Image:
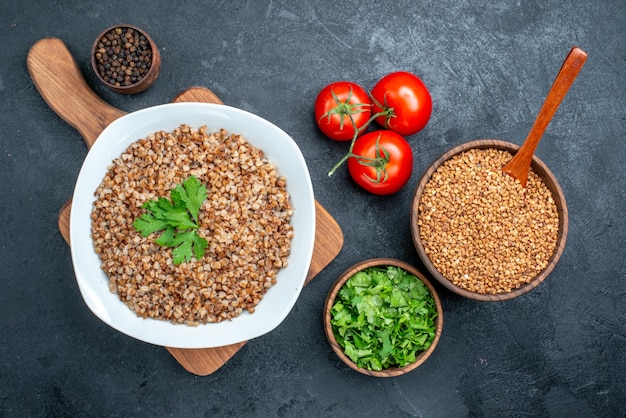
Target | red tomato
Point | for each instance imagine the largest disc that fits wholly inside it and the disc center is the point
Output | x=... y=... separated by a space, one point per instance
x=403 y=101
x=334 y=106
x=387 y=165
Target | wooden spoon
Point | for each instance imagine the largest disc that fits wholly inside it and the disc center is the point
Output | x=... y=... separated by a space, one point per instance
x=519 y=165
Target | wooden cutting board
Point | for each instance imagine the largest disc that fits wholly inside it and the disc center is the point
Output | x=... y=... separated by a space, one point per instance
x=61 y=84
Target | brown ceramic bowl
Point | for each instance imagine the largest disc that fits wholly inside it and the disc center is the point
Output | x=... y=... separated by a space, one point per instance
x=541 y=170
x=135 y=77
x=330 y=300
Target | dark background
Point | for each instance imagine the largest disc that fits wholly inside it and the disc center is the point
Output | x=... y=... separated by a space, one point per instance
x=558 y=351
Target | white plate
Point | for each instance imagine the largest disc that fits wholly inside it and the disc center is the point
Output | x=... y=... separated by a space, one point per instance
x=279 y=148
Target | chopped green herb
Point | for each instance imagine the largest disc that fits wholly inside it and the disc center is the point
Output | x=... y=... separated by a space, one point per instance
x=178 y=219
x=384 y=317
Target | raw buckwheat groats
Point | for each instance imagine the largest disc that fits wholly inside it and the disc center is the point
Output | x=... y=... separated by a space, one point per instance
x=481 y=229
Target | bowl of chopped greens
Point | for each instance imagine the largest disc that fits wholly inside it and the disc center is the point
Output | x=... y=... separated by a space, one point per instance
x=383 y=318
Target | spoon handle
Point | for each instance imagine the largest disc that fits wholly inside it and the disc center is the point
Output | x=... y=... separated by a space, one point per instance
x=519 y=165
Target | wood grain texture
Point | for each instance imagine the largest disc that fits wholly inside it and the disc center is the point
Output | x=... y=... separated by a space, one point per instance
x=63 y=87
x=61 y=84
x=519 y=165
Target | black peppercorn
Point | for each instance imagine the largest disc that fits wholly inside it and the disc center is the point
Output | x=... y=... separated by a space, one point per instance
x=117 y=56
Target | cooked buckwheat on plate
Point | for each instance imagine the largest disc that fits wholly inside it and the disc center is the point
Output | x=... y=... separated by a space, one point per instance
x=245 y=221
x=258 y=220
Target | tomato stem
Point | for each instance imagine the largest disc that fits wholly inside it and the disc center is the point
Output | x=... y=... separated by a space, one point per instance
x=349 y=153
x=388 y=112
x=345 y=108
x=379 y=162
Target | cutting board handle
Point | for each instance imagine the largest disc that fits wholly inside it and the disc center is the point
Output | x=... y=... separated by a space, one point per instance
x=61 y=84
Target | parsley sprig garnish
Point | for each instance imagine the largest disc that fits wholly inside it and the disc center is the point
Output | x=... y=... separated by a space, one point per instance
x=178 y=219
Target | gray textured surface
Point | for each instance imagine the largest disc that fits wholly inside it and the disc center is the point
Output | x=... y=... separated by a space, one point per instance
x=558 y=351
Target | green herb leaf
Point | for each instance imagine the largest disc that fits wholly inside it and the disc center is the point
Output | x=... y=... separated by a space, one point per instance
x=167 y=237
x=199 y=246
x=147 y=224
x=384 y=317
x=178 y=219
x=196 y=194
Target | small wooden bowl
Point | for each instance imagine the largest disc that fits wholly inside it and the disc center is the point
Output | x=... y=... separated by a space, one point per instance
x=330 y=300
x=145 y=80
x=541 y=170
